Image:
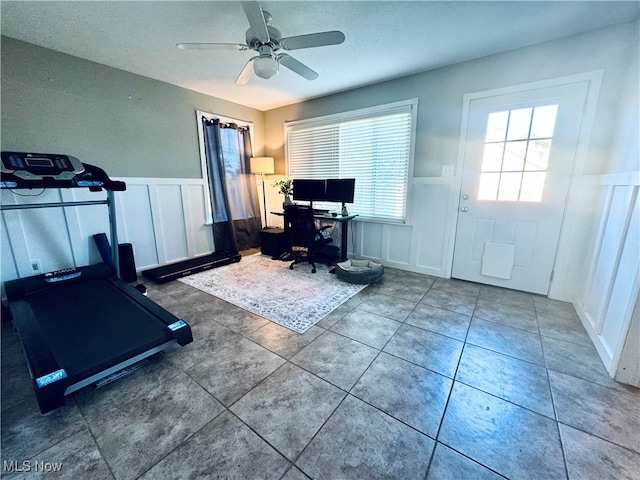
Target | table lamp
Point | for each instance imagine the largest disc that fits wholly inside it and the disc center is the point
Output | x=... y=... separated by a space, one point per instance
x=262 y=166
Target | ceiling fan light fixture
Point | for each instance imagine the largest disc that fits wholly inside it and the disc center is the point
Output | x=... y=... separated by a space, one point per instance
x=265 y=66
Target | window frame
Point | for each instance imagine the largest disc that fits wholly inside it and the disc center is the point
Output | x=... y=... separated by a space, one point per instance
x=410 y=105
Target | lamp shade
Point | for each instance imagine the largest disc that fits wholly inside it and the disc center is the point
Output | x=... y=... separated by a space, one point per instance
x=261 y=165
x=265 y=66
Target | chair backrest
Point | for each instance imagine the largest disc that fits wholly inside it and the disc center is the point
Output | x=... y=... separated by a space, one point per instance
x=300 y=225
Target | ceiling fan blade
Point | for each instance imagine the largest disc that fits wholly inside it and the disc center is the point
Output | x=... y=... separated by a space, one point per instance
x=254 y=14
x=246 y=72
x=334 y=37
x=212 y=46
x=297 y=67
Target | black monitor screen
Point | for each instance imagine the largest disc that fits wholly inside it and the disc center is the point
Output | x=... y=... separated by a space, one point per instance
x=341 y=190
x=309 y=190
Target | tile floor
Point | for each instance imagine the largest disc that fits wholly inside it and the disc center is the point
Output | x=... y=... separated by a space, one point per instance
x=415 y=377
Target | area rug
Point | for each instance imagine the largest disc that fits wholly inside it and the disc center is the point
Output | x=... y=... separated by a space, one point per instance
x=296 y=299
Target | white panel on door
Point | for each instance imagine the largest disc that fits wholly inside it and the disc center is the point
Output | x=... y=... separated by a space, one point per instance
x=525 y=239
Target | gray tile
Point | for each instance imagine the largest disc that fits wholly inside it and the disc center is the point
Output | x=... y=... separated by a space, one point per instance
x=548 y=306
x=240 y=320
x=591 y=457
x=225 y=448
x=26 y=432
x=563 y=328
x=507 y=340
x=294 y=474
x=366 y=327
x=139 y=419
x=516 y=381
x=208 y=337
x=74 y=457
x=448 y=464
x=459 y=287
x=336 y=315
x=283 y=341
x=359 y=441
x=577 y=360
x=607 y=413
x=463 y=304
x=386 y=306
x=288 y=408
x=232 y=371
x=507 y=315
x=507 y=297
x=337 y=359
x=508 y=439
x=444 y=322
x=15 y=381
x=209 y=304
x=427 y=349
x=401 y=284
x=412 y=394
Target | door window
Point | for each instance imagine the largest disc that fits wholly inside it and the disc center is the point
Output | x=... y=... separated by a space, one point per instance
x=516 y=154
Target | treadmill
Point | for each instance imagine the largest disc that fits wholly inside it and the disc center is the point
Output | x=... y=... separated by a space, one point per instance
x=80 y=325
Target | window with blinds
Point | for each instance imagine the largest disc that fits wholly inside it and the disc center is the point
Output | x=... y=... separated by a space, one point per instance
x=374 y=146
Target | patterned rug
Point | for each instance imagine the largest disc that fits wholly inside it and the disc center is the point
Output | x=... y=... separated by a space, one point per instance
x=296 y=299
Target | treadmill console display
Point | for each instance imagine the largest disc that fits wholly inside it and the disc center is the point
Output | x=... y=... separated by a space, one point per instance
x=52 y=170
x=37 y=166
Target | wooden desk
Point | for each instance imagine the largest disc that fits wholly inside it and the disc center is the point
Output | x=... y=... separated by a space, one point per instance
x=343 y=220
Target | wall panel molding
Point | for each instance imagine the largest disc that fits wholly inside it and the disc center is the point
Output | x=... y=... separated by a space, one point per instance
x=162 y=228
x=612 y=284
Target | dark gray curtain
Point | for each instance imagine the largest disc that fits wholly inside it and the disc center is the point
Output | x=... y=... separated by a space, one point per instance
x=236 y=210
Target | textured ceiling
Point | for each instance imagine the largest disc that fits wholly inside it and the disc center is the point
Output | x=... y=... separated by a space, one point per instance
x=384 y=39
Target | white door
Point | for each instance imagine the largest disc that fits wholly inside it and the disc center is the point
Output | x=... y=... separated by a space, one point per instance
x=517 y=166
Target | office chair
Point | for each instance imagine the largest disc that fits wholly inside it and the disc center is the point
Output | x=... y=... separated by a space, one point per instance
x=303 y=237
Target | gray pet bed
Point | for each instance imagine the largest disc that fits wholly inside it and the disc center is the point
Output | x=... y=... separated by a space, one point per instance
x=359 y=271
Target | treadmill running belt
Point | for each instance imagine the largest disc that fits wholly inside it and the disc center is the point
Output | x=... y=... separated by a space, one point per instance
x=89 y=325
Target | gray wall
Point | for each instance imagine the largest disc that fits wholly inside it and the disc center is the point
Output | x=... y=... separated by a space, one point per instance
x=130 y=125
x=440 y=93
x=136 y=126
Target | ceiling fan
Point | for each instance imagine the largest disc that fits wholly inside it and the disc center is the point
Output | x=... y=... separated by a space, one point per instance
x=268 y=41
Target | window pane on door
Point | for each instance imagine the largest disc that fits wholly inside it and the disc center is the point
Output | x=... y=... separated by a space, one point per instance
x=538 y=154
x=509 y=188
x=514 y=156
x=519 y=123
x=497 y=126
x=544 y=121
x=488 y=189
x=532 y=186
x=492 y=158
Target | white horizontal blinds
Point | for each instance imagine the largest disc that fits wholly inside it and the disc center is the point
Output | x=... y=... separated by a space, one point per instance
x=374 y=149
x=314 y=152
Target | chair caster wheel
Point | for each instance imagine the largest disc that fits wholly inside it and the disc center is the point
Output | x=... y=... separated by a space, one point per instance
x=290 y=267
x=313 y=271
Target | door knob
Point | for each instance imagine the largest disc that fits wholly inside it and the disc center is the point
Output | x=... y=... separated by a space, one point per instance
x=465 y=209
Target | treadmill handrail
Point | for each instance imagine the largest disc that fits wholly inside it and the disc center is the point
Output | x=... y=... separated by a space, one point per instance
x=25 y=206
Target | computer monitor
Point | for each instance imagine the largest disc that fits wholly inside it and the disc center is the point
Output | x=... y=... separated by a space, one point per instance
x=308 y=190
x=340 y=190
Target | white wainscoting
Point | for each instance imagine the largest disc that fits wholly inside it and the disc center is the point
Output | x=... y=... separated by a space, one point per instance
x=163 y=218
x=165 y=221
x=421 y=245
x=610 y=294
